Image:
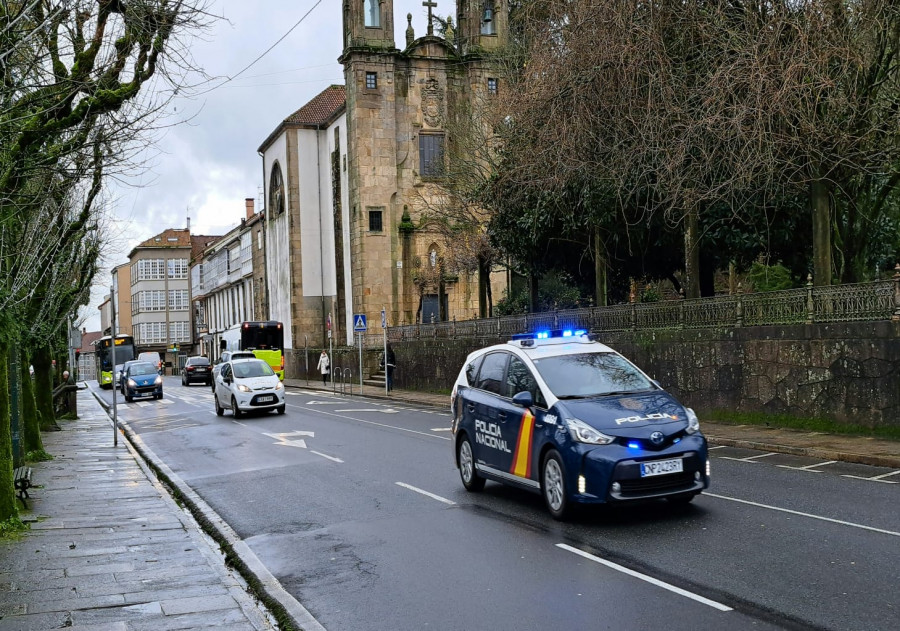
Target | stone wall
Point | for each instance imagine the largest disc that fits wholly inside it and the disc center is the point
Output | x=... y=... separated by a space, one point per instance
x=846 y=372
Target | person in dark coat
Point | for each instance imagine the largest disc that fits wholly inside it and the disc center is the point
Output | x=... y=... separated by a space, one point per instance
x=389 y=365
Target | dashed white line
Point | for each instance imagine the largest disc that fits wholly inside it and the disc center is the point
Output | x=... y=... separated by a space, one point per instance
x=426 y=493
x=810 y=515
x=440 y=429
x=748 y=458
x=644 y=577
x=332 y=458
x=876 y=478
x=810 y=468
x=717 y=447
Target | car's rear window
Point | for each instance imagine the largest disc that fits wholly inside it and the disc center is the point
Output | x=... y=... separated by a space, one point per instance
x=198 y=361
x=591 y=375
x=142 y=369
x=244 y=370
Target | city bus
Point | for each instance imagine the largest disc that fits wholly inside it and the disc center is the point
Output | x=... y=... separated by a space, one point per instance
x=264 y=339
x=124 y=353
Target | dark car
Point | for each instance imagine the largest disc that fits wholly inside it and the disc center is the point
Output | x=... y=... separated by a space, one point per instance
x=196 y=370
x=140 y=379
x=561 y=415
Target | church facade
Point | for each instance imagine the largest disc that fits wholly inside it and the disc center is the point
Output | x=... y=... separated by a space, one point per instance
x=352 y=177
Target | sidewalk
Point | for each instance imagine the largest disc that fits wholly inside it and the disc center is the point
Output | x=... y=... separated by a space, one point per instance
x=109 y=550
x=858 y=449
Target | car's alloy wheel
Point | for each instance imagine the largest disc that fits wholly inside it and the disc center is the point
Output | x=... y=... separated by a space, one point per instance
x=235 y=410
x=553 y=485
x=470 y=478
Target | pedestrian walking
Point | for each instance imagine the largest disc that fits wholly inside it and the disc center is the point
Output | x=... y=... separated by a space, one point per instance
x=324 y=367
x=389 y=364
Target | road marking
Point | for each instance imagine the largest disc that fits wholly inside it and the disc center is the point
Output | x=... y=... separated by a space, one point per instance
x=283 y=438
x=383 y=411
x=426 y=493
x=876 y=478
x=319 y=453
x=441 y=429
x=808 y=467
x=717 y=447
x=385 y=425
x=317 y=402
x=748 y=458
x=644 y=577
x=810 y=515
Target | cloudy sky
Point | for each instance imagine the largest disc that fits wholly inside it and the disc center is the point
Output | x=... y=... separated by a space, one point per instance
x=206 y=167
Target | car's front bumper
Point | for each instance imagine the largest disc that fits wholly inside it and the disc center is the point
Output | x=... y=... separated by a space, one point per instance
x=249 y=401
x=144 y=391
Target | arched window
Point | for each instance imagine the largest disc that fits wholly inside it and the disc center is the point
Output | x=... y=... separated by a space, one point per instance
x=276 y=191
x=487 y=18
x=372 y=12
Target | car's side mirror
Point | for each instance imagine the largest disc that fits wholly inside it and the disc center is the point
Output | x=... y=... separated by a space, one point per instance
x=524 y=399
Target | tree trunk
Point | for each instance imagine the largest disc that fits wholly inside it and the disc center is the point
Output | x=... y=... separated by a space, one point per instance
x=484 y=285
x=692 y=253
x=7 y=492
x=43 y=387
x=533 y=297
x=31 y=420
x=600 y=271
x=820 y=203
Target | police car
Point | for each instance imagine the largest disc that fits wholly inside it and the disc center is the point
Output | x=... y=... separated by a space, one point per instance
x=567 y=417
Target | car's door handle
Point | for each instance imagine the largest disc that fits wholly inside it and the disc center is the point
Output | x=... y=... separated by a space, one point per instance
x=471 y=407
x=501 y=416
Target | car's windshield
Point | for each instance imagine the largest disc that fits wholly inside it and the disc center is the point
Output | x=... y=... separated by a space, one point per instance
x=198 y=361
x=142 y=369
x=591 y=375
x=243 y=370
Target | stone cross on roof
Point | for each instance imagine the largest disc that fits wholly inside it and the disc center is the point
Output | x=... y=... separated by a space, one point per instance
x=430 y=4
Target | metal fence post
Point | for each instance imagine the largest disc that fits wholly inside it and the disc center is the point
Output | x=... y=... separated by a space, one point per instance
x=681 y=313
x=631 y=299
x=739 y=308
x=810 y=305
x=896 y=316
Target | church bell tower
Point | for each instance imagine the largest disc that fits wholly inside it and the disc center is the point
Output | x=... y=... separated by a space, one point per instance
x=368 y=24
x=483 y=25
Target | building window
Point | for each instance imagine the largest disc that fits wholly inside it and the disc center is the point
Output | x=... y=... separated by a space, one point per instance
x=492 y=86
x=178 y=268
x=487 y=19
x=375 y=224
x=373 y=14
x=371 y=80
x=259 y=239
x=150 y=333
x=179 y=332
x=431 y=155
x=147 y=269
x=178 y=300
x=276 y=191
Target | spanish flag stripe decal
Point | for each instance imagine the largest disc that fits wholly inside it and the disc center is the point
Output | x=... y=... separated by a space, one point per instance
x=522 y=457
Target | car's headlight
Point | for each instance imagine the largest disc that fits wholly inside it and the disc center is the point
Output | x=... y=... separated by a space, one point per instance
x=279 y=386
x=584 y=433
x=157 y=381
x=243 y=388
x=132 y=383
x=693 y=422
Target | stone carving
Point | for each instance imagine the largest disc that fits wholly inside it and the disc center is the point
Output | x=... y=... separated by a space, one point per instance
x=433 y=103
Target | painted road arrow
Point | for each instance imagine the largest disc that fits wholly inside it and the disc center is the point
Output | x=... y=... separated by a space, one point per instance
x=283 y=439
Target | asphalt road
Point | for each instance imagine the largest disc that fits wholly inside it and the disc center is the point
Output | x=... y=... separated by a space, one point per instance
x=357 y=508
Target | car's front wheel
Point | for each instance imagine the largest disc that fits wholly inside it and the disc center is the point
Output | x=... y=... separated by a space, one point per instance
x=553 y=485
x=235 y=410
x=280 y=409
x=467 y=473
x=219 y=409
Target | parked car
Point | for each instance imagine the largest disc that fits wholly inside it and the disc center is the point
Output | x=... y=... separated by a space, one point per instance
x=120 y=368
x=226 y=357
x=196 y=369
x=140 y=379
x=154 y=358
x=245 y=385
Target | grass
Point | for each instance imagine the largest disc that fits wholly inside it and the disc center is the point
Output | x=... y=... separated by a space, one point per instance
x=12 y=529
x=38 y=455
x=787 y=421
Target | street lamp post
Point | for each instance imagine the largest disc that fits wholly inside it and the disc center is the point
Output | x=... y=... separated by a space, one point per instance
x=112 y=355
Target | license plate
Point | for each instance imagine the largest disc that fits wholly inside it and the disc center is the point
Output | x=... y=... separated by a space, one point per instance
x=661 y=467
x=269 y=398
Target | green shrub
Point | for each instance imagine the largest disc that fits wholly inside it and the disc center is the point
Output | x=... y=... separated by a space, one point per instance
x=770 y=277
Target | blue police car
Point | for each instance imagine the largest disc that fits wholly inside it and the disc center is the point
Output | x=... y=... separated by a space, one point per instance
x=569 y=418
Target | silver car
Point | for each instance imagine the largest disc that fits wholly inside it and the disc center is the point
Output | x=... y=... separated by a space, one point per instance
x=245 y=385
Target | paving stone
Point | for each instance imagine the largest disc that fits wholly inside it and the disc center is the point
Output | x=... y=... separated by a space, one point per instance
x=196 y=604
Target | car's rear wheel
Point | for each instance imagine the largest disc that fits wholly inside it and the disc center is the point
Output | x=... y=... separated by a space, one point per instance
x=467 y=473
x=553 y=485
x=235 y=410
x=219 y=409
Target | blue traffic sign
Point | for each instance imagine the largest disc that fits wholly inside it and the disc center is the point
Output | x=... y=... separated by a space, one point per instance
x=359 y=323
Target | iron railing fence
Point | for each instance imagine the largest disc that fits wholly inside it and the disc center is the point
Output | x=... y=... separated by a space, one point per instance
x=871 y=301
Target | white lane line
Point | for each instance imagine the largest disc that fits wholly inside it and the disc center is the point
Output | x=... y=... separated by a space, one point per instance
x=876 y=478
x=808 y=467
x=748 y=458
x=810 y=515
x=385 y=425
x=644 y=577
x=441 y=429
x=716 y=447
x=332 y=458
x=426 y=493
x=382 y=410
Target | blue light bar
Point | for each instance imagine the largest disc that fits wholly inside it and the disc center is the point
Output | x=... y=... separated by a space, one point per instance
x=548 y=334
x=580 y=332
x=543 y=335
x=567 y=333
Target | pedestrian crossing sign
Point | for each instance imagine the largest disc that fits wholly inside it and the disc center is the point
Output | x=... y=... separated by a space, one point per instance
x=359 y=323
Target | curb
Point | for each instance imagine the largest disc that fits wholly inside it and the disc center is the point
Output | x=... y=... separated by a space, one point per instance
x=289 y=613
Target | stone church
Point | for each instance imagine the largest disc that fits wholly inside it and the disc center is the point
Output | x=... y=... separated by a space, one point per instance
x=350 y=177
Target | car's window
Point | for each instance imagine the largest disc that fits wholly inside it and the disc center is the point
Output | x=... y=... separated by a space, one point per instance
x=226 y=371
x=490 y=377
x=197 y=361
x=142 y=369
x=519 y=379
x=472 y=369
x=590 y=375
x=244 y=370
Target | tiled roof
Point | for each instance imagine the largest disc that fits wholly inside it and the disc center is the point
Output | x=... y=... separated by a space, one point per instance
x=200 y=242
x=169 y=238
x=322 y=109
x=88 y=339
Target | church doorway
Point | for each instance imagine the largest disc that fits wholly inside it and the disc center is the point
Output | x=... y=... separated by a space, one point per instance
x=433 y=310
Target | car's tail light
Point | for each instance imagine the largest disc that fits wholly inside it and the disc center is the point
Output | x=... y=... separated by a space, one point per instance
x=189 y=368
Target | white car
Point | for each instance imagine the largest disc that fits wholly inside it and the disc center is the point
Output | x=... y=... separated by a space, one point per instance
x=245 y=385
